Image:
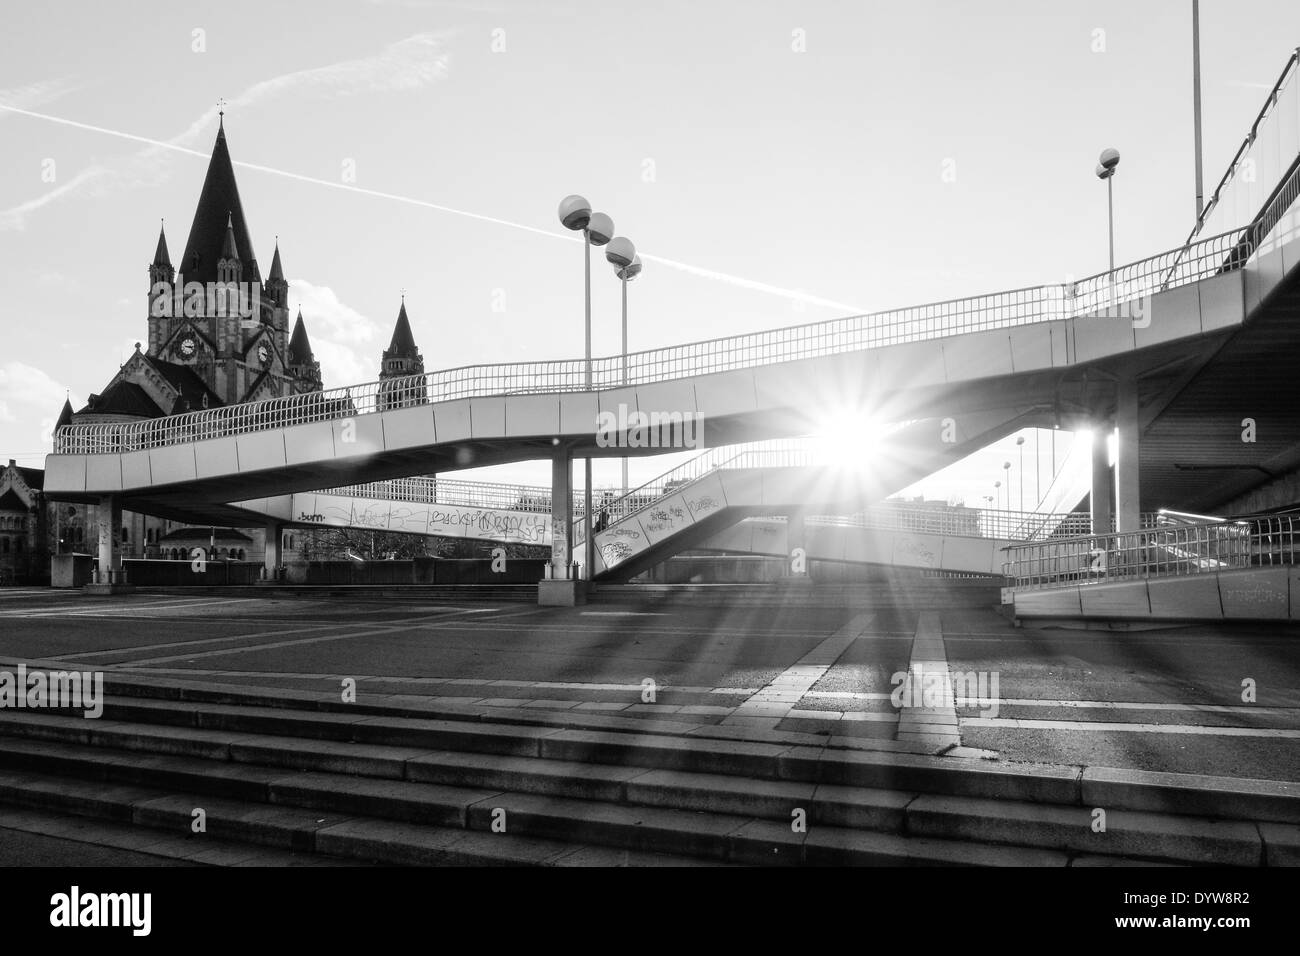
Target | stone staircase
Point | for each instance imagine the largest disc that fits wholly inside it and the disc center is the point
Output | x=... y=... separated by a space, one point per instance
x=410 y=781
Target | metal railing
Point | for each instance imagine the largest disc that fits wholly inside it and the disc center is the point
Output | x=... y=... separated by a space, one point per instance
x=1273 y=141
x=970 y=522
x=1189 y=263
x=451 y=491
x=774 y=453
x=1173 y=549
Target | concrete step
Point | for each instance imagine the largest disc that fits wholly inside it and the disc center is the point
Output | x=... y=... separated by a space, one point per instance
x=384 y=746
x=125 y=844
x=240 y=799
x=247 y=833
x=1126 y=833
x=679 y=813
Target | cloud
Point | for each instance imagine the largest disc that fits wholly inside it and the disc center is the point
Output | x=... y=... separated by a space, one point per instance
x=30 y=400
x=406 y=65
x=35 y=94
x=16 y=218
x=346 y=343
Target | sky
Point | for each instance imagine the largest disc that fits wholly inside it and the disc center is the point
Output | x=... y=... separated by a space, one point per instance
x=775 y=163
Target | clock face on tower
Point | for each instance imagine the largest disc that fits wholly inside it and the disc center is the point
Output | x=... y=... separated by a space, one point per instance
x=188 y=346
x=262 y=353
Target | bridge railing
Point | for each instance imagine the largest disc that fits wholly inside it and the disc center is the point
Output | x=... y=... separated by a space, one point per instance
x=1173 y=549
x=1131 y=282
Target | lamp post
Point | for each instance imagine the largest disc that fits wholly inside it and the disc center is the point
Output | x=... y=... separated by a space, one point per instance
x=997 y=490
x=597 y=229
x=1196 y=105
x=1107 y=163
x=1006 y=473
x=627 y=266
x=1020 y=443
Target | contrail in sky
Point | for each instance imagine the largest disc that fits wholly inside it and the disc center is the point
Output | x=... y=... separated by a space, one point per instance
x=737 y=281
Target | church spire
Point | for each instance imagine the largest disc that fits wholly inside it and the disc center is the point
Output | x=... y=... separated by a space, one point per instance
x=219 y=212
x=160 y=270
x=401 y=357
x=161 y=258
x=228 y=248
x=301 y=363
x=229 y=266
x=276 y=286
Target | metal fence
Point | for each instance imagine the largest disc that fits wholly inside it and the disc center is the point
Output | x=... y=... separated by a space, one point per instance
x=1126 y=285
x=1172 y=549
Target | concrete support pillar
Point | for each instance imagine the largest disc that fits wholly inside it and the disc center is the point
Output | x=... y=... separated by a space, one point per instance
x=1128 y=507
x=561 y=514
x=1101 y=481
x=108 y=527
x=271 y=559
x=561 y=587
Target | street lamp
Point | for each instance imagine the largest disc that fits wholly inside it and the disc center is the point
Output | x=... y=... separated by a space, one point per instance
x=1020 y=443
x=597 y=230
x=1006 y=471
x=627 y=266
x=997 y=489
x=1107 y=163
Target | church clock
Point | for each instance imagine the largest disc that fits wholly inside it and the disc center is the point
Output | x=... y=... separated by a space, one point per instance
x=263 y=354
x=188 y=346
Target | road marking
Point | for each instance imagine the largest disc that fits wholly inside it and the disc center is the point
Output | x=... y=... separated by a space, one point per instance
x=774 y=702
x=622 y=614
x=388 y=627
x=928 y=665
x=1143 y=705
x=131 y=610
x=1198 y=730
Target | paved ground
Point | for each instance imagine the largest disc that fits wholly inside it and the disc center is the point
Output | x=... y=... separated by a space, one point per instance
x=1167 y=699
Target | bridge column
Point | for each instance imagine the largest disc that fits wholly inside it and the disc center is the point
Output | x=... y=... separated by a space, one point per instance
x=1101 y=483
x=110 y=577
x=271 y=556
x=1128 y=508
x=561 y=587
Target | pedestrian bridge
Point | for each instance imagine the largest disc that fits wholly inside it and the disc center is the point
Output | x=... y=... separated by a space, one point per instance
x=982 y=353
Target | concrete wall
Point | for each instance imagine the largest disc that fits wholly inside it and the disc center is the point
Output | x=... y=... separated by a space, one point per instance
x=1245 y=594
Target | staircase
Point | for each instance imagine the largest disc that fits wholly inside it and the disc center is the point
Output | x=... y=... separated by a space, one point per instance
x=410 y=781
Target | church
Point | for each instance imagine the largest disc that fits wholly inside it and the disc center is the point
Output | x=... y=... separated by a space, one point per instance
x=218 y=334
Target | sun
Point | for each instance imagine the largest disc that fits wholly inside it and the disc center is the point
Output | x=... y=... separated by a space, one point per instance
x=849 y=440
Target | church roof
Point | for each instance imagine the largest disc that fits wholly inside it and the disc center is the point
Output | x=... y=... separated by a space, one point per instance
x=218 y=204
x=299 y=345
x=35 y=477
x=123 y=398
x=65 y=415
x=403 y=341
x=10 y=501
x=186 y=381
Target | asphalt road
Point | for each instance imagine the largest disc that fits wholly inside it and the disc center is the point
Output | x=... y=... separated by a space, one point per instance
x=1164 y=699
